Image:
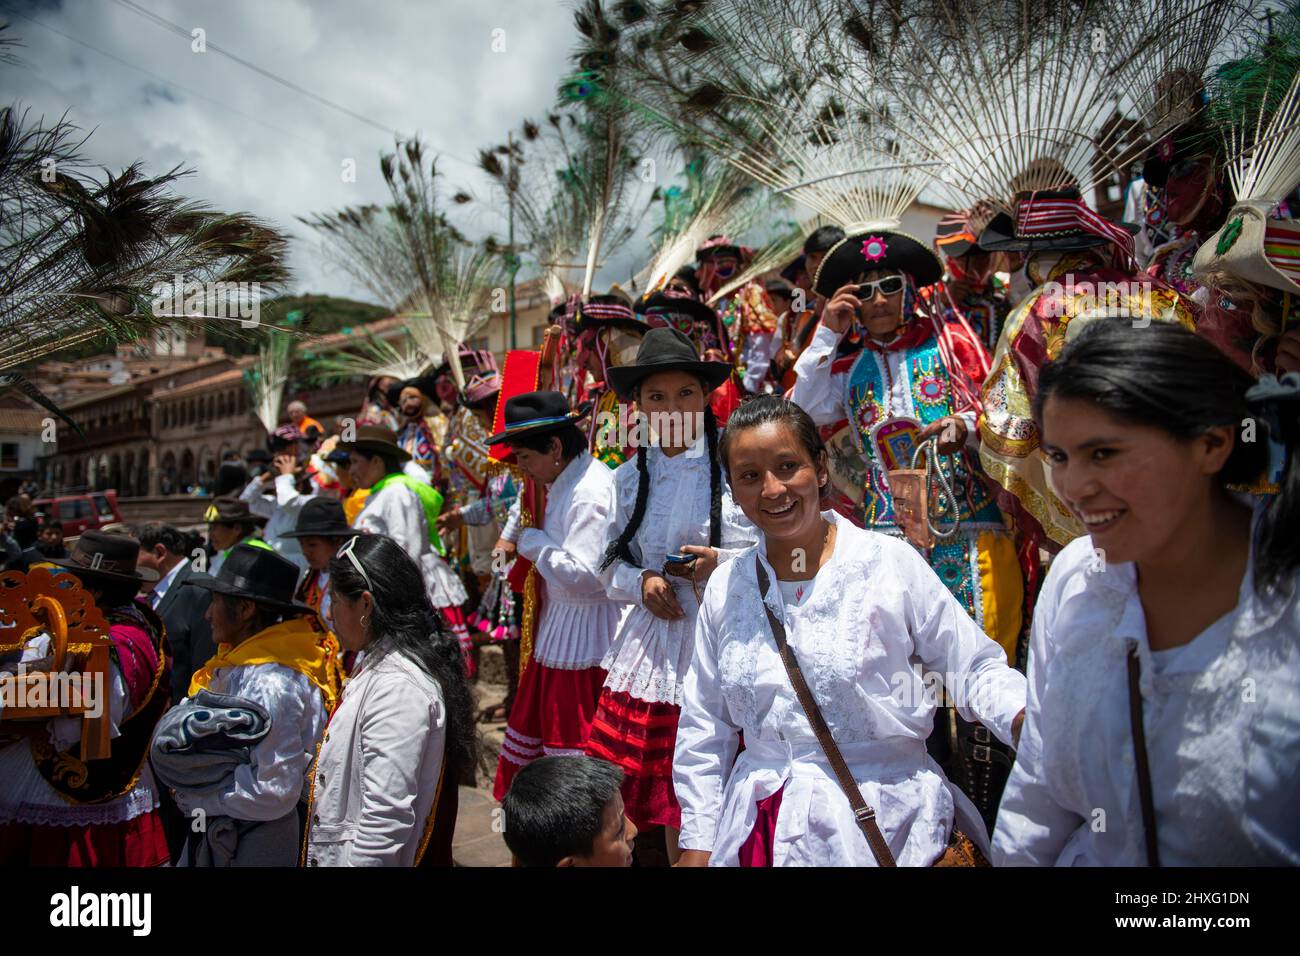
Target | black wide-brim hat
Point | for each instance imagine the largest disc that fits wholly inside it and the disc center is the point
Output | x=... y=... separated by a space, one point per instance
x=321 y=518
x=534 y=414
x=666 y=350
x=884 y=249
x=106 y=557
x=258 y=575
x=375 y=440
x=231 y=510
x=1001 y=234
x=425 y=384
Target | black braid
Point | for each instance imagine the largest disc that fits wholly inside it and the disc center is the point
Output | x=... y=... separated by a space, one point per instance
x=715 y=479
x=621 y=549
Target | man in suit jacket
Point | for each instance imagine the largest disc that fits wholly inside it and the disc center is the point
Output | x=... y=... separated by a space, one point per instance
x=183 y=610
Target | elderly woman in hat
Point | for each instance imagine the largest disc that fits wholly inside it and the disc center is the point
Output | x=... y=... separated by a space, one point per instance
x=406 y=509
x=559 y=687
x=915 y=378
x=108 y=815
x=277 y=666
x=674 y=519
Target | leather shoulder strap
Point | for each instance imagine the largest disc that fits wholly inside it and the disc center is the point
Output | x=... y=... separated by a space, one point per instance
x=862 y=811
x=1140 y=757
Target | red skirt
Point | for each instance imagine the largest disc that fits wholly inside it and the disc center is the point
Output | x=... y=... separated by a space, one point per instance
x=551 y=716
x=640 y=737
x=136 y=842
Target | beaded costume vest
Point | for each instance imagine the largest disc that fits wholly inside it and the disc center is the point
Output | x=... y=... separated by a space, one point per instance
x=929 y=390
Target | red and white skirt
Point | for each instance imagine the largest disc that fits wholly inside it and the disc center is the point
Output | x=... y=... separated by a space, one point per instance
x=455 y=618
x=639 y=737
x=139 y=841
x=551 y=716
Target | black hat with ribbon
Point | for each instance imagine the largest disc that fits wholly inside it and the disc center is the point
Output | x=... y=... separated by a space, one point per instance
x=321 y=518
x=1054 y=220
x=231 y=510
x=607 y=310
x=255 y=574
x=666 y=350
x=107 y=557
x=536 y=413
x=887 y=250
x=676 y=310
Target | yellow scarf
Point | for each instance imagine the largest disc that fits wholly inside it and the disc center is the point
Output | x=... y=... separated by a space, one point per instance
x=299 y=643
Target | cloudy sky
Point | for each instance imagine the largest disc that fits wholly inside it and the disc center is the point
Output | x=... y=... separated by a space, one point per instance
x=256 y=146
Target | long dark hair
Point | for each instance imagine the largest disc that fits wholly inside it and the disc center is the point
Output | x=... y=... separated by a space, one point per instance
x=769 y=409
x=406 y=622
x=621 y=548
x=1166 y=377
x=1277 y=551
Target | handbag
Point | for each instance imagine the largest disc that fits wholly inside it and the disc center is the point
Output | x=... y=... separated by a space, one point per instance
x=960 y=851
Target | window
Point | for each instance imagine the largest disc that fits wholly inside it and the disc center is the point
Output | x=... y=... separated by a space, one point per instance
x=479 y=344
x=76 y=509
x=9 y=454
x=104 y=508
x=539 y=332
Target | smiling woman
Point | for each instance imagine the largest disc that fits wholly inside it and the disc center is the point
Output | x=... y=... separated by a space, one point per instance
x=856 y=608
x=1163 y=657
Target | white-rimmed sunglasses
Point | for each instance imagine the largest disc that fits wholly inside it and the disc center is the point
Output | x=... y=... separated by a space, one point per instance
x=346 y=551
x=889 y=285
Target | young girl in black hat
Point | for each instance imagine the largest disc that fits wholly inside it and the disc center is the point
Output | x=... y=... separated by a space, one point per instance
x=671 y=503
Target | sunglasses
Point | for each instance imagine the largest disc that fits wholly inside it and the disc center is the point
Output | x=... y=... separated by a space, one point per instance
x=346 y=551
x=889 y=285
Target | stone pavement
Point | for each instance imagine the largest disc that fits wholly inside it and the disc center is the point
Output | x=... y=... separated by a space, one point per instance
x=477 y=841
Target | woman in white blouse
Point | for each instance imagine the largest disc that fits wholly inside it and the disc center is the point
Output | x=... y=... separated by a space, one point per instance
x=558 y=689
x=671 y=499
x=383 y=788
x=863 y=612
x=1179 y=605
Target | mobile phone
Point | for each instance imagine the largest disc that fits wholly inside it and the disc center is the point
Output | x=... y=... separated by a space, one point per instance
x=678 y=558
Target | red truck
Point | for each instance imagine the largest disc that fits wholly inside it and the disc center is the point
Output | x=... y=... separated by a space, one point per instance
x=80 y=512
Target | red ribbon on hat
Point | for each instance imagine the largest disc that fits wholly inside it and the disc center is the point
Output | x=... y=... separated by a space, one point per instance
x=1048 y=216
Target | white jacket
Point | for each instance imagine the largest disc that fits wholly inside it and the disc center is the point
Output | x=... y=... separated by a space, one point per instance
x=376 y=778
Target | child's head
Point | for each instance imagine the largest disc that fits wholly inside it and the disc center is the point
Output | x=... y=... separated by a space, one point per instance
x=567 y=811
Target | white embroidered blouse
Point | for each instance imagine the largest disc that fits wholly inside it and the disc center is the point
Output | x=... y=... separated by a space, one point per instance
x=874 y=612
x=578 y=619
x=649 y=657
x=1221 y=717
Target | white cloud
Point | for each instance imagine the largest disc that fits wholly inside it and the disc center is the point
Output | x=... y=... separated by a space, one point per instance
x=258 y=147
